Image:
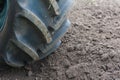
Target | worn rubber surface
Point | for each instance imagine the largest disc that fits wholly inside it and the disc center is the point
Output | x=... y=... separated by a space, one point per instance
x=32 y=29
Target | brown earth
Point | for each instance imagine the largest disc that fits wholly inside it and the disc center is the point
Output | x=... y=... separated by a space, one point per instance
x=90 y=50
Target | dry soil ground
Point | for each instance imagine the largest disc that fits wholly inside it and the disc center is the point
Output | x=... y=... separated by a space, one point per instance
x=90 y=50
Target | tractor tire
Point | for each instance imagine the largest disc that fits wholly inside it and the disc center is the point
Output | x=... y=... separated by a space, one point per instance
x=31 y=29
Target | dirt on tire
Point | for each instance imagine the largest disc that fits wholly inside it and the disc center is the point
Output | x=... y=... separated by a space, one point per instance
x=90 y=49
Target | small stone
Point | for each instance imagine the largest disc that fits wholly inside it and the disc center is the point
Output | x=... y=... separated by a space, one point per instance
x=105 y=56
x=113 y=54
x=104 y=67
x=30 y=73
x=36 y=78
x=76 y=24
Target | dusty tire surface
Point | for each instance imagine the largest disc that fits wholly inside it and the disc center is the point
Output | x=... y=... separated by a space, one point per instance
x=31 y=29
x=90 y=50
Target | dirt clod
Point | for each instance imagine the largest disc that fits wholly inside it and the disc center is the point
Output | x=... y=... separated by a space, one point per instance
x=72 y=72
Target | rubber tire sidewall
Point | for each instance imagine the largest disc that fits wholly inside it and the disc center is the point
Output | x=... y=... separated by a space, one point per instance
x=6 y=32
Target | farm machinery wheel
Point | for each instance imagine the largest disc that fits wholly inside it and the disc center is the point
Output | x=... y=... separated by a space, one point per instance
x=31 y=29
